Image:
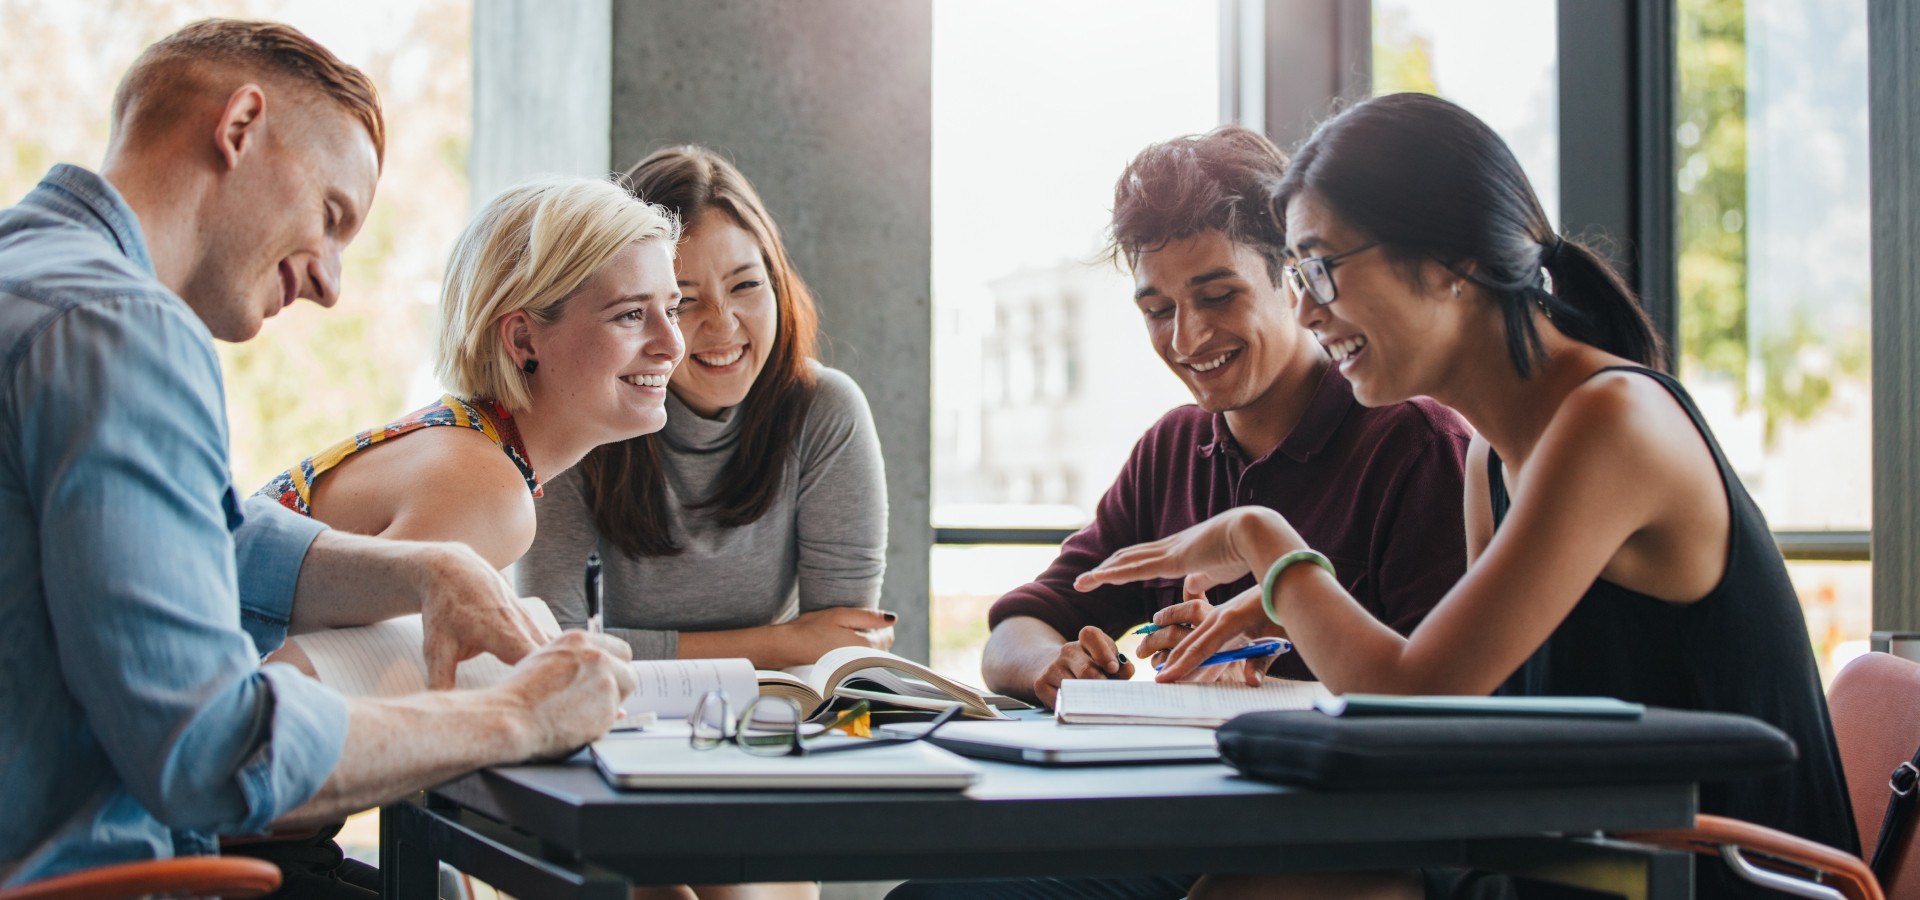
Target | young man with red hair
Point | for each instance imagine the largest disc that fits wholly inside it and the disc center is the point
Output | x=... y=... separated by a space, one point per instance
x=142 y=591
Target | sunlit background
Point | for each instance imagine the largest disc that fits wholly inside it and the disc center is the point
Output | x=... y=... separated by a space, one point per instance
x=1042 y=374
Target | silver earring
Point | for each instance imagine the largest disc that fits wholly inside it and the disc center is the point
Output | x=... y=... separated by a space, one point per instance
x=1456 y=289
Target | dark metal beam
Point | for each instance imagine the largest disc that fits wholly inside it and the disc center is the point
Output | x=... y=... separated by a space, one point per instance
x=1616 y=143
x=1893 y=88
x=1319 y=55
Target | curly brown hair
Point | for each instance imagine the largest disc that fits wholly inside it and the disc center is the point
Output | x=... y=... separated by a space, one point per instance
x=1218 y=181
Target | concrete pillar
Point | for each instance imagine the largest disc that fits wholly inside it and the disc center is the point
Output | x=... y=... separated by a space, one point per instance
x=826 y=105
x=542 y=89
x=1893 y=87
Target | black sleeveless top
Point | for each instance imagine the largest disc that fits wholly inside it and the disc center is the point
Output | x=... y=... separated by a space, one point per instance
x=1742 y=648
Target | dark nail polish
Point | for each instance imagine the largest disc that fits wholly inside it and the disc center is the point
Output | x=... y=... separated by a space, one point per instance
x=891 y=617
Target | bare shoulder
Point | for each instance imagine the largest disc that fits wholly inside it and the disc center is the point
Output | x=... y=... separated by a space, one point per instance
x=436 y=484
x=1616 y=412
x=1625 y=434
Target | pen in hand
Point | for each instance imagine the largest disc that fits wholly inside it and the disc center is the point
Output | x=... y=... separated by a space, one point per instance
x=593 y=592
x=1151 y=628
x=1255 y=650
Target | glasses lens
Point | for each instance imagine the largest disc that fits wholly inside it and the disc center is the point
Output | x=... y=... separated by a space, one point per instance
x=1318 y=280
x=711 y=721
x=770 y=727
x=1292 y=274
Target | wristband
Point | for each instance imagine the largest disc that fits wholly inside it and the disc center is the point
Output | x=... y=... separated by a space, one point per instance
x=1281 y=565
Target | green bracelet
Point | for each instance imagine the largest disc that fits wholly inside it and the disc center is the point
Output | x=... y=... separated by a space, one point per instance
x=1280 y=565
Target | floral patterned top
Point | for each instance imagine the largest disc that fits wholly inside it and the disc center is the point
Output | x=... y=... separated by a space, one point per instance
x=294 y=487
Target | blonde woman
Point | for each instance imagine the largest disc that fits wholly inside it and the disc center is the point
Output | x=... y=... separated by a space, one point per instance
x=556 y=334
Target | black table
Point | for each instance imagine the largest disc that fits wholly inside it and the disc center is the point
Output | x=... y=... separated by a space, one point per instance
x=560 y=831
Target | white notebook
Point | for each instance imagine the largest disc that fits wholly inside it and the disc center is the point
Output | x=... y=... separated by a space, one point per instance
x=663 y=764
x=1086 y=701
x=1043 y=742
x=385 y=660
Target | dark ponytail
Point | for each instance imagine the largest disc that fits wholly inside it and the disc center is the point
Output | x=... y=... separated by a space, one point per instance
x=1431 y=181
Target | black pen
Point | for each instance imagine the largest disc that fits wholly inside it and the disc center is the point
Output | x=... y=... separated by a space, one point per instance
x=593 y=592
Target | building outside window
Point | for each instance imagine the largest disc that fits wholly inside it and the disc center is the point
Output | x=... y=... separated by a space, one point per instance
x=1043 y=378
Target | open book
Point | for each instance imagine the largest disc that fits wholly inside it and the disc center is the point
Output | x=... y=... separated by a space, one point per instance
x=1085 y=701
x=385 y=660
x=883 y=678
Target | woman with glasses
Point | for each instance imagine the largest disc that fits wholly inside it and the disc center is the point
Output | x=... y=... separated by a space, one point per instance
x=1612 y=550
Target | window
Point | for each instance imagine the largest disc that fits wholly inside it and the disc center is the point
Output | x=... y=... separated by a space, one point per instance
x=1770 y=152
x=1043 y=378
x=1497 y=58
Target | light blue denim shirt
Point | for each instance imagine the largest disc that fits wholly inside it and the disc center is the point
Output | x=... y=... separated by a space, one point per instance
x=135 y=718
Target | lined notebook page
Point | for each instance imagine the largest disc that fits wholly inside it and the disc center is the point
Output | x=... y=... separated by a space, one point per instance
x=385 y=659
x=1146 y=702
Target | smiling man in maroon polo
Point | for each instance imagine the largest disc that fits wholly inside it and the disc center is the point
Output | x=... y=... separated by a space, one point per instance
x=1378 y=490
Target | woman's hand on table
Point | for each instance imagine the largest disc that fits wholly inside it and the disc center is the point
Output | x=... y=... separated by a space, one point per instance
x=809 y=636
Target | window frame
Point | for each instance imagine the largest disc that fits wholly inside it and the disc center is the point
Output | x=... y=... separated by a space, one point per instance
x=1617 y=94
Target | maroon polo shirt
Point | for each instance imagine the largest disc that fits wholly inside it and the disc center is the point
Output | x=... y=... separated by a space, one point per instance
x=1377 y=490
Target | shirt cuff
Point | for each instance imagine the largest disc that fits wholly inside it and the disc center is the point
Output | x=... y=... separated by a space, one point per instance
x=269 y=546
x=309 y=731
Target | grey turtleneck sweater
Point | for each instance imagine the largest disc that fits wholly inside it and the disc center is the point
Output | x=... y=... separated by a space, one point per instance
x=822 y=544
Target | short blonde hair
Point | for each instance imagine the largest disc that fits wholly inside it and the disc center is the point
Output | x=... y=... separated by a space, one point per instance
x=529 y=249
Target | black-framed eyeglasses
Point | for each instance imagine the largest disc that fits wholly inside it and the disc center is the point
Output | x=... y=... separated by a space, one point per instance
x=1313 y=276
x=772 y=726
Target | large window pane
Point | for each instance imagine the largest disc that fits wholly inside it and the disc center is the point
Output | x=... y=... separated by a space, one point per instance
x=1043 y=378
x=1497 y=58
x=313 y=376
x=1770 y=145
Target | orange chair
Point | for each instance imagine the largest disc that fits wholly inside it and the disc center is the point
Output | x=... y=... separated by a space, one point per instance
x=1875 y=703
x=232 y=878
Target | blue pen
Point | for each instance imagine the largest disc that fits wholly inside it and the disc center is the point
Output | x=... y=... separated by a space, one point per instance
x=1149 y=629
x=1255 y=650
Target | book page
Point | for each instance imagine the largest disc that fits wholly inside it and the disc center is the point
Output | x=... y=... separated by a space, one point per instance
x=841 y=663
x=1089 y=700
x=386 y=659
x=672 y=687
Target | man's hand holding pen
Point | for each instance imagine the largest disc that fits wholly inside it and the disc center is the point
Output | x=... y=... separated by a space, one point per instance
x=1094 y=655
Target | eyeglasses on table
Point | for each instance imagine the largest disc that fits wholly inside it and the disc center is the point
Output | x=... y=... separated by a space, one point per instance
x=773 y=726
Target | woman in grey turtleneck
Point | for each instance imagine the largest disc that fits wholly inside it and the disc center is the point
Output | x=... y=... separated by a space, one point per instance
x=754 y=524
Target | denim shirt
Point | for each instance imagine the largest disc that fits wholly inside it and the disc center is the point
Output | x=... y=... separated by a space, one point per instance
x=136 y=720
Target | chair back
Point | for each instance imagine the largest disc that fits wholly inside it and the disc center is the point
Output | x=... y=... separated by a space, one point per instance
x=1875 y=703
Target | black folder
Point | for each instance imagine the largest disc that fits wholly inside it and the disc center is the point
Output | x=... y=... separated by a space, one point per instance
x=1383 y=753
